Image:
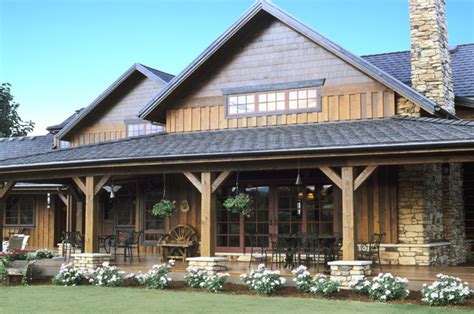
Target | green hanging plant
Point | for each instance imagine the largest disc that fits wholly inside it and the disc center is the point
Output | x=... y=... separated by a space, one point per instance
x=164 y=208
x=241 y=203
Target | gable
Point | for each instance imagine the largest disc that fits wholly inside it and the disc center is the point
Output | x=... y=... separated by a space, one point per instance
x=122 y=106
x=156 y=109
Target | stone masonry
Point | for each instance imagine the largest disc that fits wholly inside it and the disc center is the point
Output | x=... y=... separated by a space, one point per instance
x=430 y=60
x=90 y=261
x=345 y=271
x=211 y=264
x=404 y=107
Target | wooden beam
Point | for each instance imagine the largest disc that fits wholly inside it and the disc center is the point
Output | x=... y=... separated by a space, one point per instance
x=101 y=183
x=92 y=217
x=335 y=178
x=7 y=186
x=80 y=184
x=220 y=179
x=207 y=215
x=349 y=230
x=364 y=175
x=194 y=180
x=63 y=198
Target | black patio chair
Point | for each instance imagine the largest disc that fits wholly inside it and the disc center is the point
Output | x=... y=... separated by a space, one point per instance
x=134 y=243
x=371 y=251
x=121 y=241
x=72 y=240
x=311 y=248
x=258 y=248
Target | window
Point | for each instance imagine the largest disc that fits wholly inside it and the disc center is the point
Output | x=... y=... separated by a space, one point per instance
x=320 y=205
x=143 y=128
x=64 y=144
x=154 y=226
x=19 y=211
x=281 y=101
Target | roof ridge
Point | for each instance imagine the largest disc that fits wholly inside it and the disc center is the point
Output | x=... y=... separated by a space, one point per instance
x=435 y=120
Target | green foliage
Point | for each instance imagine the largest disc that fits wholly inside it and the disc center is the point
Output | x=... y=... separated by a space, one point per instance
x=447 y=290
x=164 y=208
x=69 y=276
x=241 y=203
x=10 y=122
x=3 y=271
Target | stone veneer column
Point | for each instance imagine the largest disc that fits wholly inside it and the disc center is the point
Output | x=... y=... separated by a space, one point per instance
x=430 y=58
x=210 y=264
x=453 y=211
x=90 y=261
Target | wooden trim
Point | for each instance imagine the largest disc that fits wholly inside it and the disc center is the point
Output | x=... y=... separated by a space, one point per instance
x=207 y=215
x=101 y=183
x=364 y=175
x=194 y=180
x=335 y=178
x=92 y=217
x=349 y=230
x=80 y=184
x=220 y=179
x=63 y=198
x=7 y=186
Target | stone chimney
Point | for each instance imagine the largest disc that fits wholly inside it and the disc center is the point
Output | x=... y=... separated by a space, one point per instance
x=430 y=59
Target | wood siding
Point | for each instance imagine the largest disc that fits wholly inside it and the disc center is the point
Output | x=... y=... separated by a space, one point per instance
x=109 y=123
x=43 y=234
x=335 y=107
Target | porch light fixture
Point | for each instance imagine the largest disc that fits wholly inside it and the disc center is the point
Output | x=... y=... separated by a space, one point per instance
x=112 y=189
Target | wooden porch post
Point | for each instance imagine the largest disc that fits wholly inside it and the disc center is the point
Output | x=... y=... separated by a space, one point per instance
x=207 y=215
x=92 y=217
x=349 y=232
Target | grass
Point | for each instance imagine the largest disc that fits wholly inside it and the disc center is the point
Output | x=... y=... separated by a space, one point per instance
x=87 y=299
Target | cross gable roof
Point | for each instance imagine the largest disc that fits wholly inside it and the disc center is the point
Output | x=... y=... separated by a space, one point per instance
x=154 y=74
x=264 y=6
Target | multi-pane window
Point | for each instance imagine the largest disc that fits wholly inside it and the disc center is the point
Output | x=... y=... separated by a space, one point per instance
x=64 y=144
x=282 y=101
x=19 y=210
x=143 y=128
x=154 y=226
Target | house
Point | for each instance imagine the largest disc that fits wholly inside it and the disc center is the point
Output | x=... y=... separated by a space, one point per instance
x=377 y=142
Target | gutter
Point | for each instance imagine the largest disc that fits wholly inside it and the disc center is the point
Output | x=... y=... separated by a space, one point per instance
x=369 y=148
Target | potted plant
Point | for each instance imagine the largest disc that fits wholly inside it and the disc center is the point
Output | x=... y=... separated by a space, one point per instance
x=164 y=208
x=240 y=203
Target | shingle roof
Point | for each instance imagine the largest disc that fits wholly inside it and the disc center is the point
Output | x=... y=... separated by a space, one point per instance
x=394 y=132
x=163 y=75
x=58 y=127
x=13 y=147
x=397 y=64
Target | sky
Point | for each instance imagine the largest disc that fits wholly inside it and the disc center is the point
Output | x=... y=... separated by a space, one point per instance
x=59 y=55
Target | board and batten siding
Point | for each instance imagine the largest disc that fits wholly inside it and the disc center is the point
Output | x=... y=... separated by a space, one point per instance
x=277 y=54
x=364 y=105
x=110 y=125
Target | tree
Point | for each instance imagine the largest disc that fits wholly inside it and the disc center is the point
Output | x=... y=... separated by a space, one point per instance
x=10 y=122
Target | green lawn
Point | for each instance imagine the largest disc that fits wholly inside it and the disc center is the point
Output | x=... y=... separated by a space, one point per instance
x=128 y=300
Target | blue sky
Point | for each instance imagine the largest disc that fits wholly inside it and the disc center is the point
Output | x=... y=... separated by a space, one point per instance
x=59 y=55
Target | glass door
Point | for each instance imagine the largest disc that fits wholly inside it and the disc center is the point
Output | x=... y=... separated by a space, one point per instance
x=289 y=211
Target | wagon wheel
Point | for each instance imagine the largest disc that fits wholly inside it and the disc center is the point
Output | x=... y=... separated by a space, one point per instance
x=182 y=233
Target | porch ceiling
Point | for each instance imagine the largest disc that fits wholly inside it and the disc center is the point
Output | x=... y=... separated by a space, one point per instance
x=367 y=139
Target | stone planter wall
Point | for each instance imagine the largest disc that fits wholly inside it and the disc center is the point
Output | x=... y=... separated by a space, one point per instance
x=211 y=264
x=90 y=261
x=345 y=271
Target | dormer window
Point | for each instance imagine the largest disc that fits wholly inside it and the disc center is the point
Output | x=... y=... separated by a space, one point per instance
x=273 y=99
x=140 y=127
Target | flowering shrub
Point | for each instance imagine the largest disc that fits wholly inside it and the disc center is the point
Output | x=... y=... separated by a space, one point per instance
x=157 y=277
x=42 y=254
x=106 y=276
x=195 y=276
x=386 y=287
x=447 y=290
x=322 y=286
x=17 y=255
x=263 y=280
x=360 y=285
x=214 y=282
x=302 y=278
x=68 y=276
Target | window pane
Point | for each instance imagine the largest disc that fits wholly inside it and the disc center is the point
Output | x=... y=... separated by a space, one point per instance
x=301 y=94
x=280 y=105
x=271 y=106
x=293 y=104
x=233 y=100
x=262 y=98
x=312 y=93
x=241 y=100
x=262 y=107
x=251 y=108
x=280 y=96
x=251 y=99
x=293 y=95
x=302 y=104
x=232 y=109
x=312 y=103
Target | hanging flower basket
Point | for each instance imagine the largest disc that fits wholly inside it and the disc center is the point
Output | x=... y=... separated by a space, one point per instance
x=241 y=203
x=164 y=208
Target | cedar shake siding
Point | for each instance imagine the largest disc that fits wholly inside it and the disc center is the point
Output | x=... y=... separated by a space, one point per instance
x=276 y=54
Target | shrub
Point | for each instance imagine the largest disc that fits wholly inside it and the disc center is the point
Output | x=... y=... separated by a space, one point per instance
x=106 y=276
x=68 y=276
x=157 y=277
x=43 y=254
x=360 y=285
x=195 y=276
x=322 y=286
x=17 y=255
x=302 y=278
x=386 y=287
x=214 y=282
x=447 y=290
x=262 y=280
